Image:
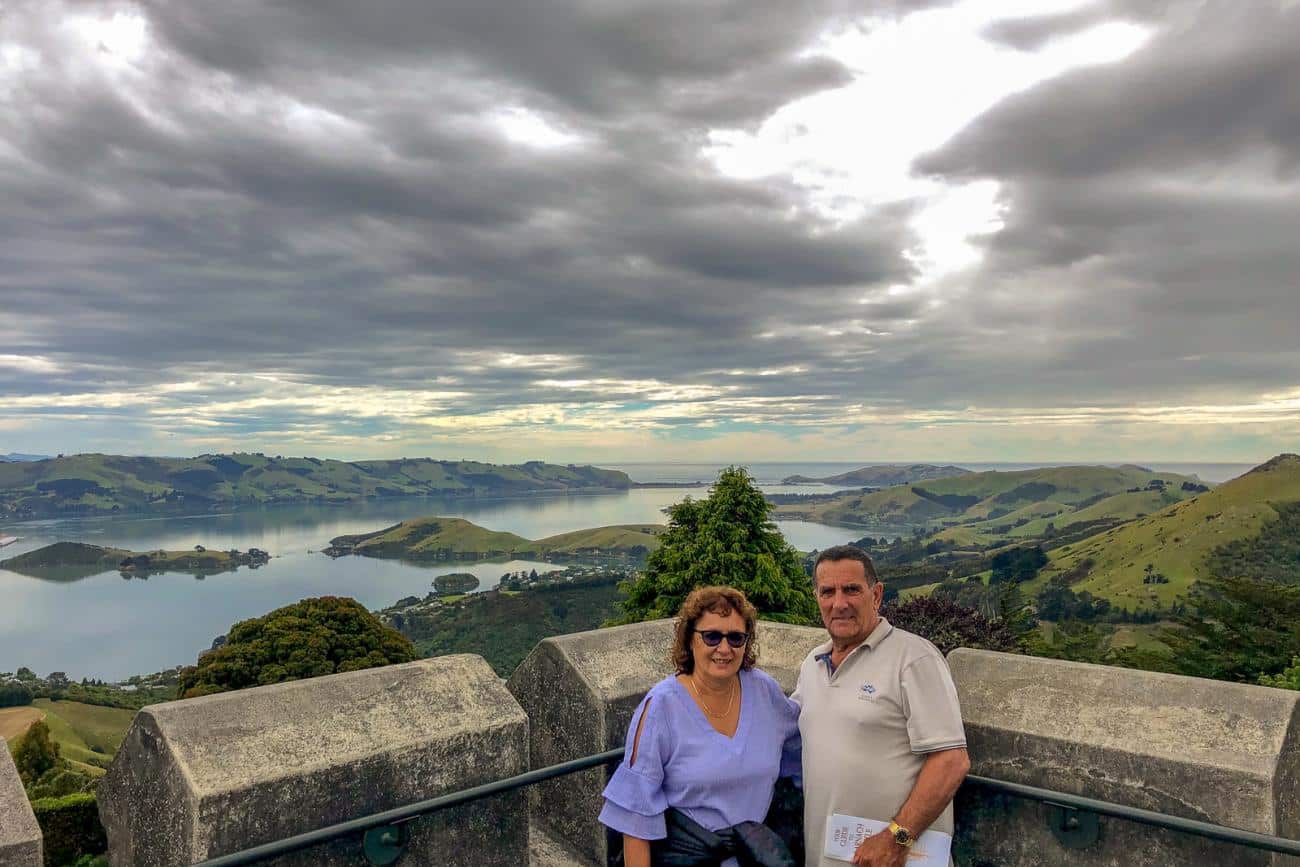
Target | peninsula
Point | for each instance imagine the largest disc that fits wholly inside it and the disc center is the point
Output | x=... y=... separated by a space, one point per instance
x=95 y=484
x=881 y=475
x=438 y=539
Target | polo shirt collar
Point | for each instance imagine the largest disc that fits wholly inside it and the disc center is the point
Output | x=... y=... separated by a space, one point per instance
x=871 y=642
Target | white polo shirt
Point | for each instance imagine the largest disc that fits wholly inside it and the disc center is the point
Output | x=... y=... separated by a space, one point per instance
x=868 y=727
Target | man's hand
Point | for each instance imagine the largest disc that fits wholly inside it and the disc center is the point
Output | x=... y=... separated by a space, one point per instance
x=880 y=850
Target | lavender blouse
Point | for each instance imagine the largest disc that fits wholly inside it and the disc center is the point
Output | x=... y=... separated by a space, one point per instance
x=683 y=762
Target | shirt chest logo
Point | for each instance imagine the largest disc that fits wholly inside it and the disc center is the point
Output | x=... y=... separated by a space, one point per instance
x=867 y=692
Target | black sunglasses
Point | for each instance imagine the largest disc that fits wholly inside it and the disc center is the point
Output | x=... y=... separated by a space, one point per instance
x=713 y=637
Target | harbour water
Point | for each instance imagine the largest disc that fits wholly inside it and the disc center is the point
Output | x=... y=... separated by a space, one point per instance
x=108 y=627
x=105 y=626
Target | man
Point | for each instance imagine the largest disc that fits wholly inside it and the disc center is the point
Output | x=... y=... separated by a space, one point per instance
x=882 y=730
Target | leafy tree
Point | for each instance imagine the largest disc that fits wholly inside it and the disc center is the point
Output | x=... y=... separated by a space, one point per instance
x=948 y=625
x=310 y=638
x=14 y=695
x=35 y=753
x=26 y=674
x=1288 y=678
x=1076 y=641
x=1057 y=601
x=1239 y=629
x=1017 y=564
x=725 y=538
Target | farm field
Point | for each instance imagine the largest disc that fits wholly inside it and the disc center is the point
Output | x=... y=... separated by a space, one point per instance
x=15 y=720
x=88 y=735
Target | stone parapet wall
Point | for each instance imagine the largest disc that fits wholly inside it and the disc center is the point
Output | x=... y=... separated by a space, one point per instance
x=1218 y=752
x=208 y=776
x=20 y=835
x=580 y=691
x=213 y=775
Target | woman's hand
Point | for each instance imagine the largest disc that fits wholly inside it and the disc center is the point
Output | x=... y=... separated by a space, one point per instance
x=636 y=852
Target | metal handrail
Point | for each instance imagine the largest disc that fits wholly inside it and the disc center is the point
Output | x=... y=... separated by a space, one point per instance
x=1253 y=839
x=410 y=812
x=400 y=815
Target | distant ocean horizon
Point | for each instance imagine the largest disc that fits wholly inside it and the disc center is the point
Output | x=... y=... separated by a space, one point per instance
x=772 y=472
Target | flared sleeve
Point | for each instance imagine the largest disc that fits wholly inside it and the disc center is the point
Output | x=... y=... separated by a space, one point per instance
x=634 y=799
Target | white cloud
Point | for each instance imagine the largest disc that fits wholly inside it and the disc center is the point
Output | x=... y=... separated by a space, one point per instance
x=917 y=81
x=30 y=364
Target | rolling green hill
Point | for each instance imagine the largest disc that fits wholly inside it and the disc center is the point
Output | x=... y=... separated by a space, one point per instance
x=1178 y=540
x=436 y=539
x=896 y=505
x=102 y=484
x=635 y=540
x=986 y=507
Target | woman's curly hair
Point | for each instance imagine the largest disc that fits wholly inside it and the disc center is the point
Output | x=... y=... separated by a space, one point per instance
x=721 y=601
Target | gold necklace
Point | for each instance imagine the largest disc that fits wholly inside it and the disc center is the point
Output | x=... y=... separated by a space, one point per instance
x=731 y=698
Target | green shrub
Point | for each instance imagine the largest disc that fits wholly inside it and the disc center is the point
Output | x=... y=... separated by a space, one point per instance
x=90 y=861
x=71 y=828
x=58 y=782
x=310 y=638
x=35 y=753
x=1288 y=678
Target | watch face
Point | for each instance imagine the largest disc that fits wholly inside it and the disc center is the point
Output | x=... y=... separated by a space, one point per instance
x=902 y=837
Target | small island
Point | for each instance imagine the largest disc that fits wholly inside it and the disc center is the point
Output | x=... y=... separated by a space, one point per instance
x=71 y=561
x=455 y=582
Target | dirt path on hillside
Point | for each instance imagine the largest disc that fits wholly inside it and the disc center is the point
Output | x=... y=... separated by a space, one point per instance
x=15 y=720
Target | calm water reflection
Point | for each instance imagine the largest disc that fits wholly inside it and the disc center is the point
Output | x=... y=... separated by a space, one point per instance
x=106 y=626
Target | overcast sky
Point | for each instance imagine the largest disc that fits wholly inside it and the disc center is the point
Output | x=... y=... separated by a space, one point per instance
x=588 y=230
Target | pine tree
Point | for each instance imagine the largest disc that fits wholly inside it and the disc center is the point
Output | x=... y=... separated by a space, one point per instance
x=726 y=538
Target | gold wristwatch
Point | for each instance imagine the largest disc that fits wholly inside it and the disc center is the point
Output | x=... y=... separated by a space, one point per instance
x=902 y=836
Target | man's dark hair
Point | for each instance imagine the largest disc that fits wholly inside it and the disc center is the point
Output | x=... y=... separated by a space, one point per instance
x=836 y=553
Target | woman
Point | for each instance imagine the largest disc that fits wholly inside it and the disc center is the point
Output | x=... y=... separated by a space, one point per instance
x=707 y=744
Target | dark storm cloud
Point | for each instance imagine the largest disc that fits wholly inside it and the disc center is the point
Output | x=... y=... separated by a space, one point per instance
x=603 y=59
x=328 y=194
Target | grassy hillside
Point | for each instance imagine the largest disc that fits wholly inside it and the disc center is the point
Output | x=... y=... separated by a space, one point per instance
x=636 y=540
x=436 y=539
x=88 y=736
x=1177 y=540
x=979 y=508
x=102 y=484
x=897 y=505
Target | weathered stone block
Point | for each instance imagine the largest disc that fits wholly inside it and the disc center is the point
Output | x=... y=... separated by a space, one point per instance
x=213 y=775
x=580 y=691
x=1218 y=752
x=20 y=836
